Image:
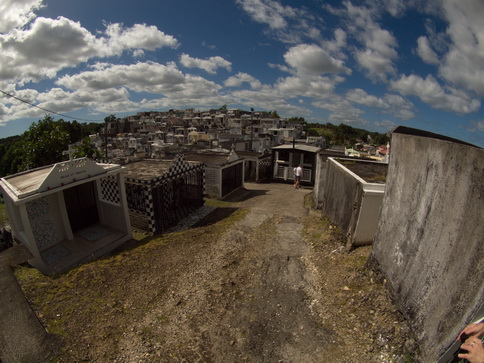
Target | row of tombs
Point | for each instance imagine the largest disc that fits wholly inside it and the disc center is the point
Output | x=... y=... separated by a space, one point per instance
x=76 y=211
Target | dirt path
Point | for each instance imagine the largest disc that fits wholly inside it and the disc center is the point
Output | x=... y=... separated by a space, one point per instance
x=275 y=286
x=246 y=297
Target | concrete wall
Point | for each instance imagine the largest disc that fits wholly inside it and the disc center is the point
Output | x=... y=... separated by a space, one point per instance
x=22 y=336
x=320 y=175
x=429 y=244
x=340 y=191
x=350 y=202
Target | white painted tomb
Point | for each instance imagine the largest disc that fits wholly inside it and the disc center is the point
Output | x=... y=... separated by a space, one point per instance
x=68 y=213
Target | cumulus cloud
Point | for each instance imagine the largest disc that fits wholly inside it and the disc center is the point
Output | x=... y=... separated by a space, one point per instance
x=312 y=59
x=109 y=88
x=271 y=13
x=425 y=51
x=392 y=104
x=386 y=124
x=286 y=23
x=240 y=78
x=298 y=86
x=209 y=65
x=361 y=97
x=139 y=36
x=50 y=45
x=463 y=62
x=476 y=126
x=144 y=77
x=379 y=52
x=438 y=97
x=17 y=13
x=342 y=111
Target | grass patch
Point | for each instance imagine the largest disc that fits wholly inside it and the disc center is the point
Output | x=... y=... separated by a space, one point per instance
x=216 y=203
x=3 y=213
x=114 y=291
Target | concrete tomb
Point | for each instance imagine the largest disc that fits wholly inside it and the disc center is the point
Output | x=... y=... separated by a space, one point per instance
x=68 y=213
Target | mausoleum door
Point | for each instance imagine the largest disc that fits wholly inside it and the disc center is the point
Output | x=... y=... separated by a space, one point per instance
x=81 y=206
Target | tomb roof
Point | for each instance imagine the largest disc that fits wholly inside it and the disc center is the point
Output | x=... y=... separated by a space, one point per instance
x=57 y=176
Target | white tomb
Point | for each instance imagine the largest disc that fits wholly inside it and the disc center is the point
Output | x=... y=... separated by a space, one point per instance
x=68 y=213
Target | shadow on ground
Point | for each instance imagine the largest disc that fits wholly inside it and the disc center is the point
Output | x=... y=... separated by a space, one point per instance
x=217 y=215
x=245 y=194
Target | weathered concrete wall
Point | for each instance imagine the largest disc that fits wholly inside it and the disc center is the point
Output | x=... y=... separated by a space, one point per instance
x=22 y=337
x=340 y=192
x=321 y=174
x=429 y=244
x=349 y=201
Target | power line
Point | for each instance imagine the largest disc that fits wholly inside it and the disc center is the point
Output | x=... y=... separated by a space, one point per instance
x=44 y=109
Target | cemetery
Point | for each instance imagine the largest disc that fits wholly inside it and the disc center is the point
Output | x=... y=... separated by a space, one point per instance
x=162 y=192
x=68 y=213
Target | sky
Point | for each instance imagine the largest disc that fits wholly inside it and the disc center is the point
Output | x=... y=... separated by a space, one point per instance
x=373 y=64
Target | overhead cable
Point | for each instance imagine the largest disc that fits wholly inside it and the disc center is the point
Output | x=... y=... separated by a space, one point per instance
x=44 y=109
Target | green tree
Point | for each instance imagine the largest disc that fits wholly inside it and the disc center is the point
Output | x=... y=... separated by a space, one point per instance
x=274 y=114
x=44 y=142
x=87 y=149
x=381 y=139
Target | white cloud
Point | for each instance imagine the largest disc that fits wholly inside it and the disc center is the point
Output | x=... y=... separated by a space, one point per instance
x=50 y=45
x=286 y=23
x=209 y=65
x=425 y=51
x=141 y=77
x=432 y=93
x=268 y=98
x=361 y=97
x=463 y=64
x=386 y=124
x=476 y=126
x=271 y=13
x=392 y=104
x=139 y=36
x=379 y=52
x=395 y=7
x=377 y=65
x=312 y=59
x=17 y=13
x=108 y=89
x=337 y=47
x=240 y=78
x=341 y=110
x=298 y=86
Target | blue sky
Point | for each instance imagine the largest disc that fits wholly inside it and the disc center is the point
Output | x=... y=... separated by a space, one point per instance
x=372 y=64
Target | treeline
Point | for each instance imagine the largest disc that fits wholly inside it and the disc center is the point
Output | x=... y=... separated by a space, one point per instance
x=345 y=135
x=43 y=144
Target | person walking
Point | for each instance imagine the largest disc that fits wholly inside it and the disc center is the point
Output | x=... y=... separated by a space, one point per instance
x=297 y=176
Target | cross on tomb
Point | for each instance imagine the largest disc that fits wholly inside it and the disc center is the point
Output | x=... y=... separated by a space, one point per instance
x=69 y=152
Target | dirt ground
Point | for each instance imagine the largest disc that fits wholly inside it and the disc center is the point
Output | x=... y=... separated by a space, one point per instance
x=260 y=279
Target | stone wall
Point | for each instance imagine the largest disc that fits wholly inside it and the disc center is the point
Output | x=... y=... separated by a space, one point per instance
x=340 y=192
x=22 y=336
x=320 y=175
x=429 y=241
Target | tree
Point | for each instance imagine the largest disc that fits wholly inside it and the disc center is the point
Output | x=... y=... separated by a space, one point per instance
x=44 y=142
x=87 y=149
x=274 y=114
